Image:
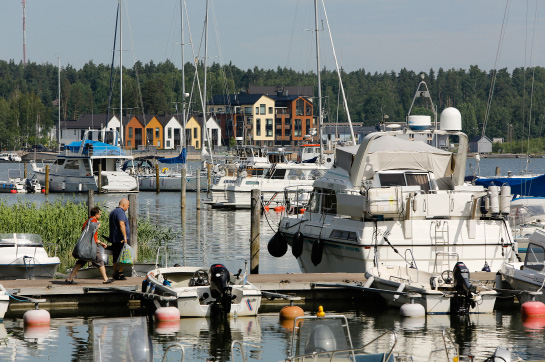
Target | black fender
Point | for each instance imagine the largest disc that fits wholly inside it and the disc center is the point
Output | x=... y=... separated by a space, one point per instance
x=278 y=245
x=317 y=251
x=297 y=244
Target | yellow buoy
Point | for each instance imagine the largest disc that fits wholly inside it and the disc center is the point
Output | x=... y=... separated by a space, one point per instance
x=165 y=169
x=320 y=312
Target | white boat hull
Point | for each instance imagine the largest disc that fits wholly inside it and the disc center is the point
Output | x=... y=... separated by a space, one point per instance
x=169 y=183
x=116 y=181
x=434 y=301
x=524 y=279
x=4 y=302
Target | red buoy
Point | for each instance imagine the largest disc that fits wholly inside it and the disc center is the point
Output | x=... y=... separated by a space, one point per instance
x=167 y=314
x=266 y=208
x=13 y=191
x=291 y=312
x=532 y=309
x=167 y=327
x=36 y=317
x=533 y=322
x=302 y=211
x=279 y=208
x=43 y=191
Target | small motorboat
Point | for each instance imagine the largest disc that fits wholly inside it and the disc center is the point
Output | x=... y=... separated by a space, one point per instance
x=4 y=302
x=528 y=276
x=24 y=257
x=202 y=292
x=448 y=292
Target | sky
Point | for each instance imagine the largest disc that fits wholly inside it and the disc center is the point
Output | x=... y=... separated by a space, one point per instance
x=375 y=35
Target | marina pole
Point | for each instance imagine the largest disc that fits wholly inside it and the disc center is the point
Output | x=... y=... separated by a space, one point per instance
x=25 y=173
x=209 y=169
x=498 y=173
x=157 y=186
x=133 y=223
x=99 y=183
x=90 y=201
x=198 y=189
x=47 y=179
x=255 y=231
x=184 y=187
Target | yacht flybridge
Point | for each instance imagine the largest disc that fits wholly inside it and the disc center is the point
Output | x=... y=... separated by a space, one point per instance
x=398 y=201
x=90 y=164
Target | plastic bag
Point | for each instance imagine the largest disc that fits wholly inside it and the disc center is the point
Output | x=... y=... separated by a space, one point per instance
x=86 y=248
x=127 y=255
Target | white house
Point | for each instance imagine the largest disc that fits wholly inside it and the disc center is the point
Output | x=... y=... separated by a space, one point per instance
x=172 y=131
x=214 y=131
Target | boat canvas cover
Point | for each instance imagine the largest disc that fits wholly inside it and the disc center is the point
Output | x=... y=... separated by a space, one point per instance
x=387 y=153
x=178 y=159
x=99 y=148
x=523 y=186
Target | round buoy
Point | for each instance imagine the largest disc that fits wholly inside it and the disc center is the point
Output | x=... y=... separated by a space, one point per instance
x=277 y=246
x=13 y=191
x=317 y=251
x=279 y=208
x=43 y=191
x=266 y=208
x=412 y=310
x=297 y=244
x=167 y=314
x=36 y=317
x=532 y=309
x=291 y=312
x=414 y=323
x=533 y=322
x=167 y=327
x=36 y=331
x=302 y=211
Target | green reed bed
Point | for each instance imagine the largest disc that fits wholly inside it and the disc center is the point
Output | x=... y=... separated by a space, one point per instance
x=59 y=224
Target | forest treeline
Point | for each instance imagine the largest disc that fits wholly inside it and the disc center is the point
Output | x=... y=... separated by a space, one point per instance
x=28 y=95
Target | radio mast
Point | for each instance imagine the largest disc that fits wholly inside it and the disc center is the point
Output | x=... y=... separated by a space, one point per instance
x=24 y=31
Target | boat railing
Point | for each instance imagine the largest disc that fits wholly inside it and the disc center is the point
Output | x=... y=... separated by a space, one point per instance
x=172 y=346
x=50 y=246
x=448 y=346
x=165 y=257
x=240 y=345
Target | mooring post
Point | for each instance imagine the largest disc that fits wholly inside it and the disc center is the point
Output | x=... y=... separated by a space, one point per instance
x=198 y=188
x=47 y=179
x=90 y=201
x=184 y=187
x=99 y=183
x=133 y=223
x=255 y=231
x=25 y=173
x=157 y=187
x=209 y=169
x=498 y=171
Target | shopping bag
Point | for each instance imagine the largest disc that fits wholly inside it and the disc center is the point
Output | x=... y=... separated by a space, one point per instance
x=127 y=255
x=86 y=248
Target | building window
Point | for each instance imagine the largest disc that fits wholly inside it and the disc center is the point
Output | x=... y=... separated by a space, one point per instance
x=261 y=109
x=297 y=128
x=130 y=132
x=169 y=132
x=195 y=135
x=158 y=143
x=129 y=144
x=299 y=107
x=270 y=110
x=168 y=144
x=256 y=110
x=308 y=111
x=258 y=127
x=157 y=133
x=219 y=110
x=269 y=127
x=307 y=131
x=248 y=110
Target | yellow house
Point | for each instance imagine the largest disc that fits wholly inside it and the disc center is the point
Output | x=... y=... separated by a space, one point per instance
x=154 y=133
x=193 y=132
x=263 y=122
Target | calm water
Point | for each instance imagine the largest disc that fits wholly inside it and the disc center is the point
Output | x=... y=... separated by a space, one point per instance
x=211 y=236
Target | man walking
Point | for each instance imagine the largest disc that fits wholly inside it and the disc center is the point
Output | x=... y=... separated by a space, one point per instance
x=119 y=234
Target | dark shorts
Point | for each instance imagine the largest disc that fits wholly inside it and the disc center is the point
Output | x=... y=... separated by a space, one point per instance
x=116 y=250
x=98 y=262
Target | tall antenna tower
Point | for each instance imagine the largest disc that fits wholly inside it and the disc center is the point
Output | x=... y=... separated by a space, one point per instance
x=24 y=31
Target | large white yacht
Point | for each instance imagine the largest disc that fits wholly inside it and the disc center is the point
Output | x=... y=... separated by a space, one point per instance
x=92 y=164
x=398 y=201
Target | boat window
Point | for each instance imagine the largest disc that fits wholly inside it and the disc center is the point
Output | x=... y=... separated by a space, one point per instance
x=257 y=171
x=59 y=161
x=252 y=182
x=323 y=201
x=87 y=167
x=418 y=179
x=535 y=257
x=392 y=179
x=278 y=173
x=341 y=234
x=72 y=165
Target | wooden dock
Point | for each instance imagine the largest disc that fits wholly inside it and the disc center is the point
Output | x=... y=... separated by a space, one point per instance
x=90 y=297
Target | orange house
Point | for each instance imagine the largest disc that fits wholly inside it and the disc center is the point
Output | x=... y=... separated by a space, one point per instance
x=154 y=133
x=134 y=134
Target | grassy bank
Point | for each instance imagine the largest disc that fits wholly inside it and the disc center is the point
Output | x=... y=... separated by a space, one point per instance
x=59 y=223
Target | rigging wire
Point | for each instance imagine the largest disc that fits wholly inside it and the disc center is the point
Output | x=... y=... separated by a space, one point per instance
x=498 y=53
x=531 y=90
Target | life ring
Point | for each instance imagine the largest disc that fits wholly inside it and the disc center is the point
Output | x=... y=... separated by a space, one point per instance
x=317 y=251
x=297 y=244
x=164 y=170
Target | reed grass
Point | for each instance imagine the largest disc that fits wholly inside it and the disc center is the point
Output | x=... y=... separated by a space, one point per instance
x=59 y=224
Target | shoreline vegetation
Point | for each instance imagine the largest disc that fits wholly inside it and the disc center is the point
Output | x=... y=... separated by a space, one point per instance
x=59 y=224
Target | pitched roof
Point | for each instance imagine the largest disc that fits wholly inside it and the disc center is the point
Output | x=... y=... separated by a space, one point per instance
x=305 y=91
x=235 y=99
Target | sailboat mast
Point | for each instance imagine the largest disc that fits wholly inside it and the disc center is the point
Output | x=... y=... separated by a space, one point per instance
x=184 y=143
x=59 y=103
x=206 y=138
x=320 y=115
x=121 y=73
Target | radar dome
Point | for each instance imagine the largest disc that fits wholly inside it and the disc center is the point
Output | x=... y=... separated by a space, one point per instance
x=451 y=119
x=419 y=123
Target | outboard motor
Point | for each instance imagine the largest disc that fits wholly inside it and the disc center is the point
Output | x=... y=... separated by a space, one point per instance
x=219 y=286
x=463 y=300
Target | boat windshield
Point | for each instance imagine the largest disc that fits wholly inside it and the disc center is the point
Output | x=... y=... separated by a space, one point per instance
x=14 y=239
x=535 y=257
x=322 y=335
